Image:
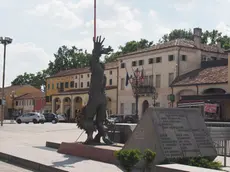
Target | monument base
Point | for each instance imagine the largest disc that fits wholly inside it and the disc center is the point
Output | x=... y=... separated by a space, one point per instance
x=101 y=153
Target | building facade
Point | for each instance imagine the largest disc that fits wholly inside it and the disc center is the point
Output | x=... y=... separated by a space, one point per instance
x=162 y=63
x=30 y=102
x=67 y=91
x=11 y=92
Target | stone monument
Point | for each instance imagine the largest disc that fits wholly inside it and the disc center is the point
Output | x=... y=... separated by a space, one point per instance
x=172 y=133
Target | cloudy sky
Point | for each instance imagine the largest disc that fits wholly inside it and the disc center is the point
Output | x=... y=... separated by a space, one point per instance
x=39 y=27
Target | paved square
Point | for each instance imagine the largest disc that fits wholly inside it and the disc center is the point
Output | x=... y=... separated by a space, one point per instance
x=28 y=141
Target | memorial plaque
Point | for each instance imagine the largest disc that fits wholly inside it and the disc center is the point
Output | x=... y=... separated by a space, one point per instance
x=173 y=133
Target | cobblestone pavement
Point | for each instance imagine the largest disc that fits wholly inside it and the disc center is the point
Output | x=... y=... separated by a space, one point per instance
x=5 y=167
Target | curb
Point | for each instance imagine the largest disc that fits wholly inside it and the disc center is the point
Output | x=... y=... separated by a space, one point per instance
x=55 y=145
x=28 y=164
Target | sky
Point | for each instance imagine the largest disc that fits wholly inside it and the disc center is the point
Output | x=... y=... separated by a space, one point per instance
x=39 y=27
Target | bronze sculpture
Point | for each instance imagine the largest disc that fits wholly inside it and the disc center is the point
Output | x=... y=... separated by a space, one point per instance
x=97 y=98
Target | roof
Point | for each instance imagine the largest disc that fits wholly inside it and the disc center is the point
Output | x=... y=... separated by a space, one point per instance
x=211 y=75
x=13 y=88
x=181 y=43
x=82 y=70
x=37 y=94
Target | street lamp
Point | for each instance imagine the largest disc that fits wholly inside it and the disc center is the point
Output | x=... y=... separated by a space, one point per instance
x=5 y=41
x=136 y=83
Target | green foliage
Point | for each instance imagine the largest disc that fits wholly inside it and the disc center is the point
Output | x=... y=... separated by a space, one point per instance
x=203 y=162
x=149 y=156
x=207 y=37
x=128 y=158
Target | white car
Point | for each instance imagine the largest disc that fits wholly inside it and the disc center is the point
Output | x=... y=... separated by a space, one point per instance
x=31 y=117
x=61 y=118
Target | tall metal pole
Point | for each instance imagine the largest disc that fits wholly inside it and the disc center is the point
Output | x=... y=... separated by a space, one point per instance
x=95 y=17
x=3 y=85
x=137 y=97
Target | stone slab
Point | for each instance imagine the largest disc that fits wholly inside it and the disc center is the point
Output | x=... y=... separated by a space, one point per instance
x=99 y=153
x=181 y=168
x=172 y=133
x=6 y=167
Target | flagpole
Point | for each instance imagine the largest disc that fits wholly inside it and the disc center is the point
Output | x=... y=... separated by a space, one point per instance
x=95 y=17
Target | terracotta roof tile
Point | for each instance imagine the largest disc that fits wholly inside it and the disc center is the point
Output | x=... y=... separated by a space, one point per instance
x=37 y=94
x=179 y=42
x=210 y=75
x=82 y=70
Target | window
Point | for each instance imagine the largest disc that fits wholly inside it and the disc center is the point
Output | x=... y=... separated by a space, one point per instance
x=122 y=108
x=62 y=85
x=88 y=84
x=171 y=78
x=110 y=72
x=133 y=108
x=81 y=84
x=141 y=62
x=158 y=81
x=134 y=63
x=57 y=85
x=122 y=65
x=171 y=57
x=76 y=77
x=158 y=60
x=151 y=61
x=72 y=84
x=122 y=83
x=52 y=86
x=88 y=75
x=183 y=57
x=151 y=80
x=146 y=80
x=66 y=84
x=16 y=103
x=48 y=86
x=110 y=82
x=75 y=85
x=81 y=76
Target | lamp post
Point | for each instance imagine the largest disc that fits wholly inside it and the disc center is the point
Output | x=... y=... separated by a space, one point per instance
x=136 y=82
x=5 y=41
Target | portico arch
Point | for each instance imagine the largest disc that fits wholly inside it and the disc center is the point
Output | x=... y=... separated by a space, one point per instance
x=214 y=91
x=56 y=105
x=67 y=107
x=184 y=92
x=145 y=106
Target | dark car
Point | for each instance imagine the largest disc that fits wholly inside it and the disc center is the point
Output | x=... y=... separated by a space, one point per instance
x=130 y=119
x=116 y=118
x=51 y=117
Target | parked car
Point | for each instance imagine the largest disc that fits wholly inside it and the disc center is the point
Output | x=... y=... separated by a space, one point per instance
x=31 y=117
x=51 y=117
x=116 y=118
x=61 y=118
x=130 y=119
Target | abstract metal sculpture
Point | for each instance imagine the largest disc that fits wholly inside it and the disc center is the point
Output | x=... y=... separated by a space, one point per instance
x=97 y=98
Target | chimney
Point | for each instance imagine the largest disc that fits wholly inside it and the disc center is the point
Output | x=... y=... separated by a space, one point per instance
x=197 y=37
x=219 y=45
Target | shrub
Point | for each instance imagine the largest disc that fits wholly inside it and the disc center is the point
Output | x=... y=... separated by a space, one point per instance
x=148 y=157
x=128 y=158
x=197 y=162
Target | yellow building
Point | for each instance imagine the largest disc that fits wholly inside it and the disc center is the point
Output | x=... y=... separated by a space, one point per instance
x=12 y=92
x=67 y=91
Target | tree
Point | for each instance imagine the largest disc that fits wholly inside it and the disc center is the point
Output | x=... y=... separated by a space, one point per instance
x=66 y=58
x=207 y=37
